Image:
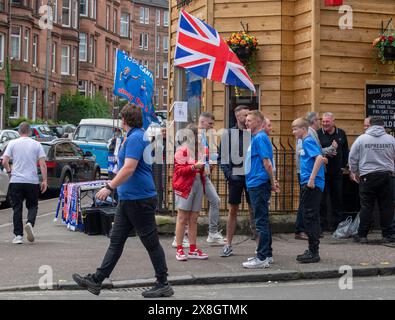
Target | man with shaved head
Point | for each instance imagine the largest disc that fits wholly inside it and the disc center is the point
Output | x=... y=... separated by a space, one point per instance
x=334 y=170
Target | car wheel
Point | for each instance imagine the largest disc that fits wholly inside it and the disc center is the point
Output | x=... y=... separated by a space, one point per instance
x=66 y=179
x=97 y=175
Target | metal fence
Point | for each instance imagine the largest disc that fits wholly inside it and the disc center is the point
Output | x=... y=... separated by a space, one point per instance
x=286 y=201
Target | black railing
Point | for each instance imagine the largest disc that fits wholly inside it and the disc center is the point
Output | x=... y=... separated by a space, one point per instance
x=284 y=202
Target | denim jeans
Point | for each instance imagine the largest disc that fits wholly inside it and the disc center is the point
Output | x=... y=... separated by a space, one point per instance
x=299 y=225
x=311 y=199
x=259 y=197
x=139 y=214
x=18 y=193
x=214 y=203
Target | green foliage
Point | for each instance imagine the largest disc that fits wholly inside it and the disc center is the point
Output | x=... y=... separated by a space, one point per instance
x=73 y=108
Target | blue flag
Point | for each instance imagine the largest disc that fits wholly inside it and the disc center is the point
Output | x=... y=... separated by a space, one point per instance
x=135 y=83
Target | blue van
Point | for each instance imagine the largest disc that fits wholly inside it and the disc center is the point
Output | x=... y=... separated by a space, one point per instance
x=94 y=135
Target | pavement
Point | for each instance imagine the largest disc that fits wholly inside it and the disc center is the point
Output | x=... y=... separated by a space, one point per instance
x=64 y=252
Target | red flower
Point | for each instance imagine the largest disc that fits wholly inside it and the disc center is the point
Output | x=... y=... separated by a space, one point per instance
x=390 y=39
x=383 y=38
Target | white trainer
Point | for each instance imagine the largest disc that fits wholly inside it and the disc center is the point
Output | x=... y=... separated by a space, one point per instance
x=216 y=238
x=18 y=240
x=270 y=259
x=29 y=232
x=256 y=264
x=185 y=242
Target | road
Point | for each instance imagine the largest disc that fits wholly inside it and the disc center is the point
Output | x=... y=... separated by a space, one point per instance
x=376 y=288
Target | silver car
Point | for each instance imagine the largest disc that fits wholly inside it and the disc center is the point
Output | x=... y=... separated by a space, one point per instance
x=4 y=183
x=5 y=136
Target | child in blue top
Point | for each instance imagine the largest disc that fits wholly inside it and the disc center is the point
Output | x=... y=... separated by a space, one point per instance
x=312 y=181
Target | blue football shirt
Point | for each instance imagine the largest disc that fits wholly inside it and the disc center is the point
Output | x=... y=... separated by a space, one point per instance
x=259 y=149
x=310 y=150
x=141 y=184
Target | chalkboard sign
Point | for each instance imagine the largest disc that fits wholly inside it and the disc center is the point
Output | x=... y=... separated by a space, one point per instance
x=380 y=101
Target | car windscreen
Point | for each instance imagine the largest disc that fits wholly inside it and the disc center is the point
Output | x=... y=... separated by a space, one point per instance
x=93 y=133
x=46 y=148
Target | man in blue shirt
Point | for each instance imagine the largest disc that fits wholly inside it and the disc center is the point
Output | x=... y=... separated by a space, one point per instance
x=312 y=182
x=260 y=183
x=136 y=209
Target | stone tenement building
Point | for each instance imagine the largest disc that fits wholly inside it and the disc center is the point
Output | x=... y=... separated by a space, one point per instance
x=85 y=36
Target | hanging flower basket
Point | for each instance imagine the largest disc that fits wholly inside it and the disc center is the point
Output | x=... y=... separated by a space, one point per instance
x=245 y=46
x=386 y=47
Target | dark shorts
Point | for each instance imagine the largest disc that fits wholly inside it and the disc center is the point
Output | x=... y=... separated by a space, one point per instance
x=236 y=192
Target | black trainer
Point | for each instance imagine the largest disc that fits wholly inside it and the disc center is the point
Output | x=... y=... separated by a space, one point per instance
x=301 y=255
x=87 y=282
x=308 y=257
x=359 y=239
x=159 y=290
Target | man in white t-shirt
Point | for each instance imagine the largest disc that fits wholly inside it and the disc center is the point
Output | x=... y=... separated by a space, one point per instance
x=24 y=182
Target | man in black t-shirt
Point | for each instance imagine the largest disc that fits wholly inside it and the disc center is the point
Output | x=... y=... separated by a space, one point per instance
x=334 y=170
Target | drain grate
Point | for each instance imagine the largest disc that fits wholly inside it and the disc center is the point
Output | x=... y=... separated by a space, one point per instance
x=129 y=290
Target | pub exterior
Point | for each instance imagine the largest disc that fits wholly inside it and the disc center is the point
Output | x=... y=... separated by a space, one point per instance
x=314 y=55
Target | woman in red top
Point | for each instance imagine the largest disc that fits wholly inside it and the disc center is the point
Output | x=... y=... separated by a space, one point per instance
x=188 y=182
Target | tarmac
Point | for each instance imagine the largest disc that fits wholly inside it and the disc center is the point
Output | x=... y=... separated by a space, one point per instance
x=59 y=252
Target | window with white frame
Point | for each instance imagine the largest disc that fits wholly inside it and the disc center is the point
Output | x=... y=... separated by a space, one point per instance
x=156 y=97
x=106 y=57
x=55 y=11
x=157 y=17
x=34 y=104
x=124 y=24
x=158 y=43
x=74 y=62
x=165 y=44
x=141 y=41
x=166 y=18
x=84 y=7
x=91 y=48
x=26 y=101
x=16 y=42
x=75 y=14
x=2 y=43
x=108 y=9
x=83 y=51
x=115 y=20
x=93 y=9
x=65 y=62
x=164 y=97
x=53 y=62
x=145 y=63
x=146 y=41
x=66 y=17
x=82 y=86
x=165 y=70
x=144 y=15
x=157 y=70
x=26 y=46
x=15 y=101
x=35 y=50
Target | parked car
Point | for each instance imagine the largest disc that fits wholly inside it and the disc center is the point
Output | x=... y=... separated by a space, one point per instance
x=4 y=183
x=94 y=135
x=66 y=162
x=41 y=132
x=5 y=136
x=63 y=130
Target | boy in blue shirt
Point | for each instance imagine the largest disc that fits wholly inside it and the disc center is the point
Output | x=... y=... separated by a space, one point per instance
x=312 y=181
x=260 y=183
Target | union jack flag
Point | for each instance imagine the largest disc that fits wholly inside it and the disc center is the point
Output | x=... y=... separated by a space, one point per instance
x=200 y=49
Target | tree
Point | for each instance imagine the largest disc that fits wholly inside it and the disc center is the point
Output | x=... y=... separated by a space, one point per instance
x=73 y=108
